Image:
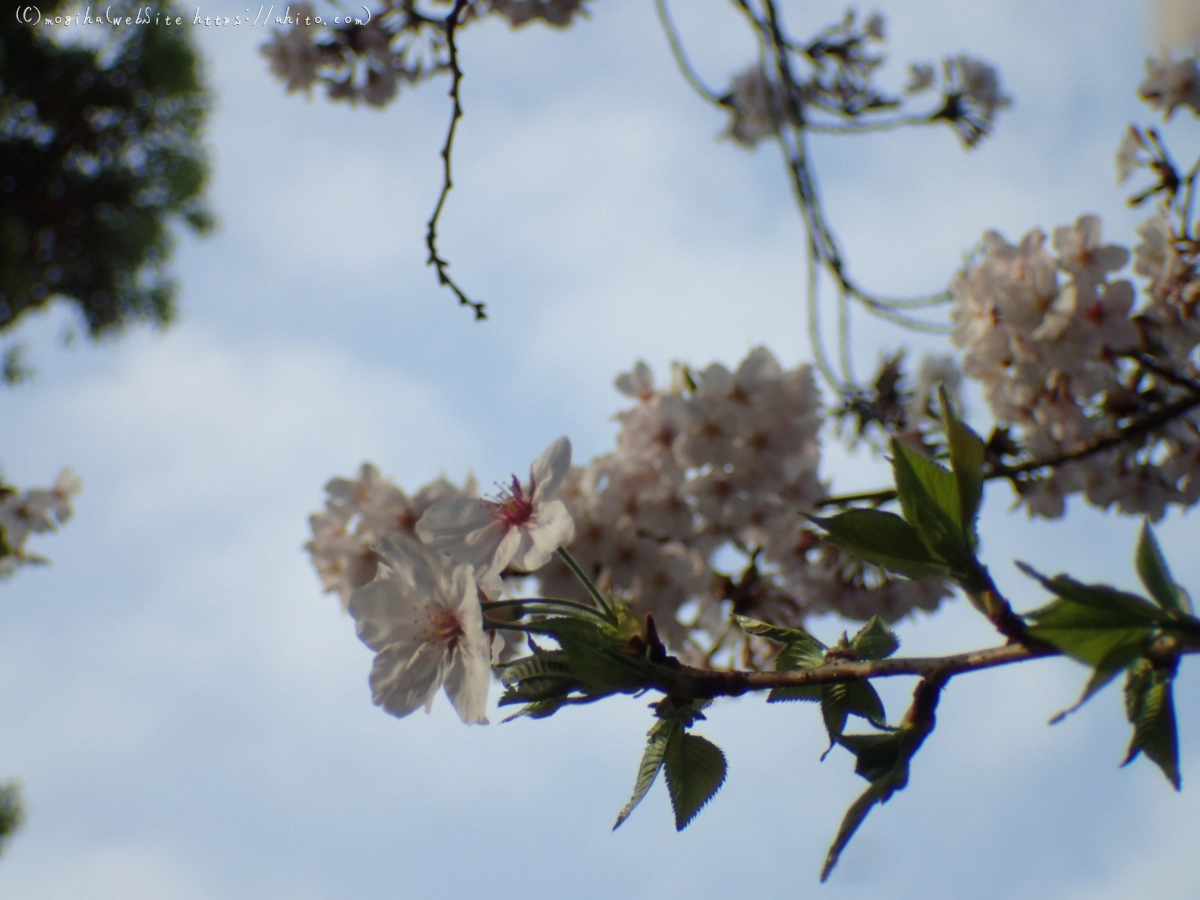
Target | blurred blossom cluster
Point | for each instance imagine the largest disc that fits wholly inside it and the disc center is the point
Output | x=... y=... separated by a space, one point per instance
x=359 y=513
x=368 y=58
x=1171 y=83
x=23 y=513
x=1077 y=371
x=839 y=88
x=1065 y=359
x=719 y=467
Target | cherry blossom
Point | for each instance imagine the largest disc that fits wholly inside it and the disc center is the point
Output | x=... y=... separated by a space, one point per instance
x=422 y=616
x=758 y=109
x=1171 y=83
x=358 y=513
x=32 y=512
x=522 y=527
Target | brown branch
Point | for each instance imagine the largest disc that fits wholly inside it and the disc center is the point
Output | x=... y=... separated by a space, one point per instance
x=1135 y=429
x=707 y=684
x=1147 y=362
x=450 y=24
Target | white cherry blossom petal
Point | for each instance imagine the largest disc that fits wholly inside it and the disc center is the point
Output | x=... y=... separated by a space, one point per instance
x=422 y=616
x=522 y=527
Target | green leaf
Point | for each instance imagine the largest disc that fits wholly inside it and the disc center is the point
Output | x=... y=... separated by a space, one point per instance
x=878 y=792
x=544 y=675
x=883 y=759
x=966 y=462
x=1118 y=658
x=787 y=693
x=596 y=658
x=929 y=499
x=774 y=632
x=652 y=761
x=834 y=711
x=1130 y=609
x=1152 y=570
x=540 y=662
x=875 y=640
x=850 y=698
x=1151 y=710
x=538 y=709
x=1085 y=633
x=695 y=769
x=798 y=654
x=877 y=754
x=863 y=701
x=884 y=539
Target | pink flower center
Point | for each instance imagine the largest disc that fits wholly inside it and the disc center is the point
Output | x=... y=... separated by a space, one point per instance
x=511 y=507
x=445 y=629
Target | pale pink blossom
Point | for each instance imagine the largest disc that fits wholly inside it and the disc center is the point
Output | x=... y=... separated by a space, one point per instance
x=1171 y=83
x=423 y=618
x=522 y=527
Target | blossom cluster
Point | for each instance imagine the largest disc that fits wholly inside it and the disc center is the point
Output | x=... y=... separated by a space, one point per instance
x=412 y=571
x=32 y=512
x=368 y=59
x=1066 y=360
x=359 y=513
x=715 y=470
x=841 y=85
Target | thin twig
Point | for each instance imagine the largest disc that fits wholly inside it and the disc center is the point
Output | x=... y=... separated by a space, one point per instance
x=860 y=127
x=681 y=60
x=442 y=266
x=1190 y=181
x=1135 y=429
x=1166 y=374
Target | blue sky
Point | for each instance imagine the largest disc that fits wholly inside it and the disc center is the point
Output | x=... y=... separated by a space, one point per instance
x=189 y=714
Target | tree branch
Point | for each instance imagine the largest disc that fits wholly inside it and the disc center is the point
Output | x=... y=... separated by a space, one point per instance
x=708 y=684
x=1134 y=429
x=450 y=24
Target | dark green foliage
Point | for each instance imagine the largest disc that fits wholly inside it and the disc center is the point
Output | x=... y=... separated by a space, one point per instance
x=937 y=533
x=1150 y=710
x=1112 y=631
x=695 y=767
x=883 y=760
x=695 y=772
x=652 y=761
x=966 y=461
x=883 y=539
x=838 y=700
x=928 y=496
x=1156 y=577
x=99 y=153
x=874 y=640
x=11 y=813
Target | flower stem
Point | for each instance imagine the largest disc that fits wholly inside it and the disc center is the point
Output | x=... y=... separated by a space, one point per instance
x=593 y=591
x=493 y=625
x=542 y=601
